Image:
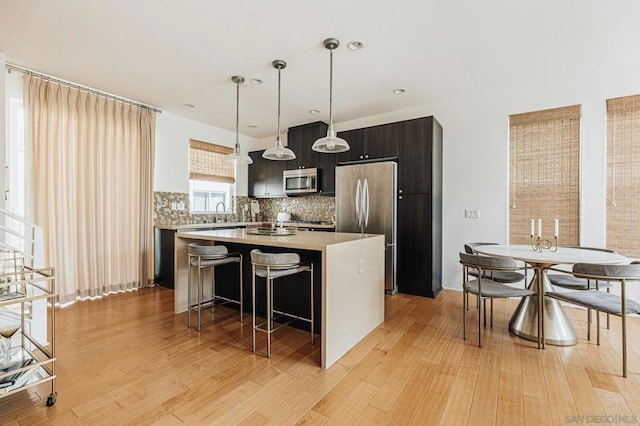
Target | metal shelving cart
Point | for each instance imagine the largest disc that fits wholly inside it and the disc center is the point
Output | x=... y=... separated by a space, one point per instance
x=27 y=326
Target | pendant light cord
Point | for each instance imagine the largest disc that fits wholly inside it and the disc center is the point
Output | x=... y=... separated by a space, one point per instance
x=331 y=88
x=237 y=115
x=279 y=70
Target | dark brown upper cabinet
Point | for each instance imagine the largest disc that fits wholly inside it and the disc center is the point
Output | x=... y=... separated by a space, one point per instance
x=300 y=139
x=419 y=156
x=265 y=176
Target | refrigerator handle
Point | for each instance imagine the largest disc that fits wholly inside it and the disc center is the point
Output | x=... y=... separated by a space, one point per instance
x=358 y=202
x=365 y=199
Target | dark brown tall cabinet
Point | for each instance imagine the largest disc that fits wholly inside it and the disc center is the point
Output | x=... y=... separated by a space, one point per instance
x=419 y=268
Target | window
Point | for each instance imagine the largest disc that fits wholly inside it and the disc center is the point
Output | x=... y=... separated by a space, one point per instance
x=623 y=175
x=211 y=179
x=544 y=174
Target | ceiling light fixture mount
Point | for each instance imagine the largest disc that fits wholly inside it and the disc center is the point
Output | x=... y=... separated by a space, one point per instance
x=236 y=156
x=399 y=91
x=331 y=143
x=355 y=45
x=279 y=152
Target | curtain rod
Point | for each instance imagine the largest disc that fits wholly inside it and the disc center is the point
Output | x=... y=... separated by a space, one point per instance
x=12 y=67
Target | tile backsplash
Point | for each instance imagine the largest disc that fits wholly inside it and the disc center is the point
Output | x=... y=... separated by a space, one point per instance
x=312 y=207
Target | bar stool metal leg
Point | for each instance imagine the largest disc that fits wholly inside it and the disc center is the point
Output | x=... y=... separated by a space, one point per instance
x=199 y=295
x=253 y=305
x=312 y=327
x=241 y=299
x=189 y=293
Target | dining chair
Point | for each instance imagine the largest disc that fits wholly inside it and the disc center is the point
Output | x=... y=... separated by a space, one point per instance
x=601 y=301
x=572 y=282
x=504 y=277
x=485 y=288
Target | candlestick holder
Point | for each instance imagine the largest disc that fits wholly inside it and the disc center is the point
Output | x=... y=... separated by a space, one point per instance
x=538 y=244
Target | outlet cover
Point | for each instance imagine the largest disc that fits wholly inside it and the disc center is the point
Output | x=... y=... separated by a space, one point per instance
x=472 y=213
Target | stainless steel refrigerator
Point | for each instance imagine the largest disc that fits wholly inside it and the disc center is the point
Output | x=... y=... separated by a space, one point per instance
x=366 y=203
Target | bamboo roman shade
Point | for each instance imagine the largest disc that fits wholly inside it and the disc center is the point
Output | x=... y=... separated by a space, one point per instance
x=544 y=174
x=623 y=175
x=206 y=162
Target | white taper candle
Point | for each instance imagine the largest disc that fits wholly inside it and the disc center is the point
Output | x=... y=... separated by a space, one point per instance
x=540 y=228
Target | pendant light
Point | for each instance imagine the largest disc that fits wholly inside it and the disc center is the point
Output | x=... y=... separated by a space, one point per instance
x=279 y=152
x=236 y=156
x=331 y=143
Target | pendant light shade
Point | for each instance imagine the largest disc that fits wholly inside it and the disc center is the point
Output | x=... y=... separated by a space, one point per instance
x=279 y=152
x=331 y=143
x=236 y=156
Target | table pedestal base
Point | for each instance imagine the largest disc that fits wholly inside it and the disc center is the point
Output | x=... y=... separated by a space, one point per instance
x=557 y=328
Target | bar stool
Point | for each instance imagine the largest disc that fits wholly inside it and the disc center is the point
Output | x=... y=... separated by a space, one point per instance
x=201 y=257
x=271 y=266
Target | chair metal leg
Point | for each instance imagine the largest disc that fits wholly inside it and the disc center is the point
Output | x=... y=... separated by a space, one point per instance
x=623 y=295
x=480 y=312
x=484 y=311
x=598 y=327
x=491 y=312
x=541 y=336
x=608 y=316
x=465 y=306
x=588 y=324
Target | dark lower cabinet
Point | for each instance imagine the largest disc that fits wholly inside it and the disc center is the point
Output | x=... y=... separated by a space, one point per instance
x=419 y=265
x=163 y=255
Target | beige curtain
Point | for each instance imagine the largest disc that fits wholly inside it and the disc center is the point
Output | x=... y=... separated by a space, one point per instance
x=92 y=187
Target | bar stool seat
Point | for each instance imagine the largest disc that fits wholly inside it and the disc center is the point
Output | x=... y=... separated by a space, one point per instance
x=202 y=257
x=271 y=266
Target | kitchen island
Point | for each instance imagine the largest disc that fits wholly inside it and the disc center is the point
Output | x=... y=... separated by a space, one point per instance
x=351 y=277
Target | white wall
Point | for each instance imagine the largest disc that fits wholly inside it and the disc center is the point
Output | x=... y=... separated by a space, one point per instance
x=172 y=151
x=3 y=127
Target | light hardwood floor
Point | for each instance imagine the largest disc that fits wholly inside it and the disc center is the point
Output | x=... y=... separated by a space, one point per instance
x=127 y=359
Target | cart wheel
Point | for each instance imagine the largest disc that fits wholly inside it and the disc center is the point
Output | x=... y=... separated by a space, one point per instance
x=52 y=399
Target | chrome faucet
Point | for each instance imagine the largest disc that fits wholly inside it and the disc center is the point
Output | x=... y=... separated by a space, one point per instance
x=224 y=209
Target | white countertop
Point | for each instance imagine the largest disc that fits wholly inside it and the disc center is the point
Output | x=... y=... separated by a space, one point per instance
x=301 y=240
x=201 y=225
x=214 y=225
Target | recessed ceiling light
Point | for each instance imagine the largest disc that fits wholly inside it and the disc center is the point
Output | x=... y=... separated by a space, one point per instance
x=255 y=81
x=355 y=45
x=314 y=111
x=188 y=105
x=252 y=126
x=399 y=91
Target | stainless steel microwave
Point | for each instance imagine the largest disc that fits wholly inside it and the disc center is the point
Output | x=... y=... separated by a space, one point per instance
x=300 y=181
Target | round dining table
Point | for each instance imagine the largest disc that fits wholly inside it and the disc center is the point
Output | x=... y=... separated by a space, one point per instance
x=524 y=321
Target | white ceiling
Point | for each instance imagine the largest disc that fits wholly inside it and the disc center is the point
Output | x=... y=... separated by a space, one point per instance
x=169 y=53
